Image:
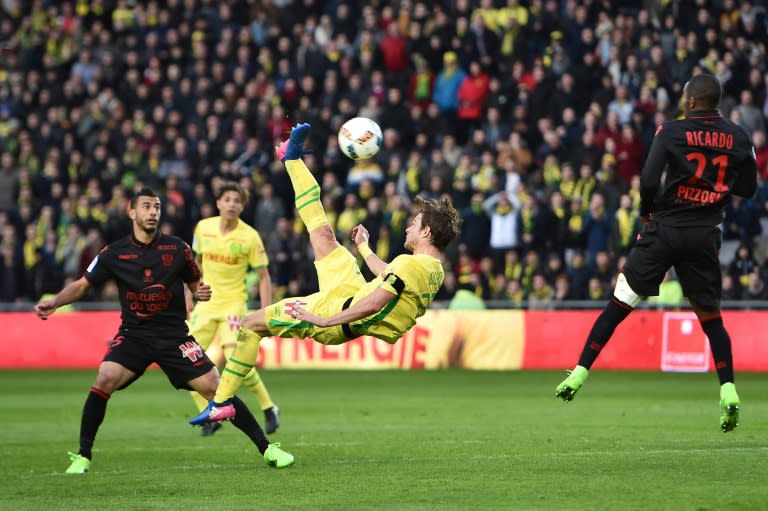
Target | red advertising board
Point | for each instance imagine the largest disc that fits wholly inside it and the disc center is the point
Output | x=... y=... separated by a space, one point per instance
x=498 y=339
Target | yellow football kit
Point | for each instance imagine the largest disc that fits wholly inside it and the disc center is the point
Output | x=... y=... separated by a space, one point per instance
x=413 y=281
x=226 y=259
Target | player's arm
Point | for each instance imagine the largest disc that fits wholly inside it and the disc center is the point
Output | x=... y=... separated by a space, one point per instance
x=189 y=300
x=746 y=182
x=651 y=175
x=369 y=305
x=193 y=277
x=265 y=286
x=71 y=293
x=201 y=292
x=360 y=236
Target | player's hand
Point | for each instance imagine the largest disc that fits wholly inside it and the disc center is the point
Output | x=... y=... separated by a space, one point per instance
x=304 y=315
x=203 y=293
x=360 y=234
x=45 y=308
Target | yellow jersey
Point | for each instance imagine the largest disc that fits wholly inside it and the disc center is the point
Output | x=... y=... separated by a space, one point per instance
x=226 y=259
x=419 y=277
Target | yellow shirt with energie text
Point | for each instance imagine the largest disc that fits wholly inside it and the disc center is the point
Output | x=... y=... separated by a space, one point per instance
x=226 y=259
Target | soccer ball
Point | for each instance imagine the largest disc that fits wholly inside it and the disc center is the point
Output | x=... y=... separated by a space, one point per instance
x=360 y=138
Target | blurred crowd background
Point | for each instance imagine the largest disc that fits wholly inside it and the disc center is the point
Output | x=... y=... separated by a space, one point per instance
x=533 y=116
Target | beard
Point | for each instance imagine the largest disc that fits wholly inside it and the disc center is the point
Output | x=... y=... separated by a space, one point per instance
x=149 y=229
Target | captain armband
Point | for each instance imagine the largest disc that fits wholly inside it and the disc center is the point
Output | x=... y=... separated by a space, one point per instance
x=396 y=282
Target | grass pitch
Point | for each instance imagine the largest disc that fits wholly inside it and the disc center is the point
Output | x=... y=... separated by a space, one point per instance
x=396 y=440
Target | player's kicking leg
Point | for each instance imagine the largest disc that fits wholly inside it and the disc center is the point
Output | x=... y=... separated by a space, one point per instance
x=310 y=209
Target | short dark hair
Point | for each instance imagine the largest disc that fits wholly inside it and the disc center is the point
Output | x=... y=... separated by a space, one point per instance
x=144 y=192
x=441 y=217
x=705 y=88
x=232 y=186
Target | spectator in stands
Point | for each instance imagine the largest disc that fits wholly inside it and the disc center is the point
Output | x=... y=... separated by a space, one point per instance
x=670 y=293
x=756 y=288
x=117 y=100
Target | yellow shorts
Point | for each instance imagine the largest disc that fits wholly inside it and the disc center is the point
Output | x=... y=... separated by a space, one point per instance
x=339 y=278
x=205 y=325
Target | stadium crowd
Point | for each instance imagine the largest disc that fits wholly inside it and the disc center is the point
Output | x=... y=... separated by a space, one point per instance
x=533 y=116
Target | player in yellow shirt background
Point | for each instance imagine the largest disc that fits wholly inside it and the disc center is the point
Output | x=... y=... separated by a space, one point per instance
x=226 y=247
x=346 y=306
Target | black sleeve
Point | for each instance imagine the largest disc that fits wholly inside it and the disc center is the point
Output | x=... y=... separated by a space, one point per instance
x=746 y=182
x=191 y=271
x=98 y=272
x=652 y=170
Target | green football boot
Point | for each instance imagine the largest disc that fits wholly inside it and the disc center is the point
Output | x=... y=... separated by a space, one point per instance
x=729 y=404
x=569 y=386
x=79 y=465
x=276 y=457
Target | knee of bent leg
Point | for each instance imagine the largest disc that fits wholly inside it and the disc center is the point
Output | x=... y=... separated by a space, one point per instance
x=111 y=377
x=624 y=293
x=206 y=384
x=324 y=233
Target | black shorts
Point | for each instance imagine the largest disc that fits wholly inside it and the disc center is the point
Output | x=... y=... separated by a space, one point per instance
x=181 y=360
x=693 y=251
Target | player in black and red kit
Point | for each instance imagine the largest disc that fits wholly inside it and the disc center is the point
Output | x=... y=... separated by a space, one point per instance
x=693 y=167
x=150 y=270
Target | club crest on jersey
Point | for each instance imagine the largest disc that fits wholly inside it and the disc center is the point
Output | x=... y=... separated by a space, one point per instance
x=167 y=260
x=233 y=322
x=191 y=350
x=291 y=307
x=147 y=275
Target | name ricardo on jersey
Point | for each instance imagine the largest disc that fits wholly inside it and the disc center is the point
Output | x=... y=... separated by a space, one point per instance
x=709 y=139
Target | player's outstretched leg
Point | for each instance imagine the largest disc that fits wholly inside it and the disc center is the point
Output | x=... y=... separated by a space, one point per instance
x=238 y=365
x=276 y=457
x=729 y=406
x=569 y=386
x=293 y=148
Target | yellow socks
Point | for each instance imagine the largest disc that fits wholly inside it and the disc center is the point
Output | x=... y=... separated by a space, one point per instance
x=307 y=195
x=257 y=387
x=238 y=365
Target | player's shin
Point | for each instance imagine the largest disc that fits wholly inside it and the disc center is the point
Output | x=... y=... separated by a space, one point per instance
x=307 y=192
x=613 y=314
x=720 y=345
x=246 y=422
x=238 y=365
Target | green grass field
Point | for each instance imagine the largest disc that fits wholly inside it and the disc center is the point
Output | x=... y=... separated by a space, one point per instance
x=396 y=440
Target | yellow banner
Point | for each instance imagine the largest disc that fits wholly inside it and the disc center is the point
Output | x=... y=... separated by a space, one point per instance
x=441 y=338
